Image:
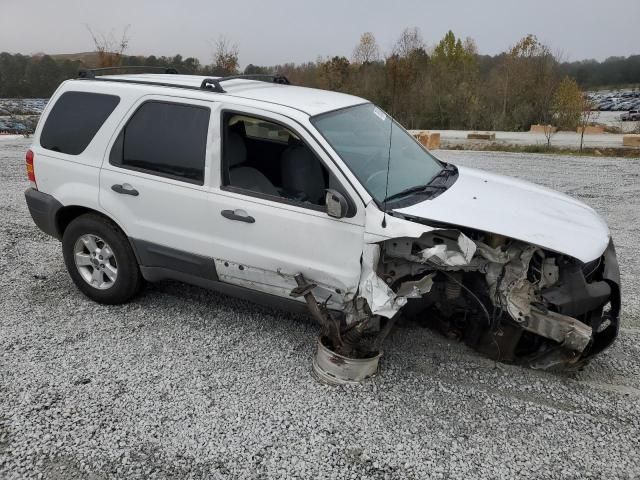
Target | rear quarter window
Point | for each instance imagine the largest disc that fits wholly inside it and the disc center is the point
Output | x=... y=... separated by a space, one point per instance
x=75 y=119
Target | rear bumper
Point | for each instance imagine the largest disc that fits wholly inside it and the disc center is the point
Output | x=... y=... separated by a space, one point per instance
x=44 y=210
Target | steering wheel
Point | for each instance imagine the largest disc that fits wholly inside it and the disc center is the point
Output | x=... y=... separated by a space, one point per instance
x=374 y=176
x=375 y=160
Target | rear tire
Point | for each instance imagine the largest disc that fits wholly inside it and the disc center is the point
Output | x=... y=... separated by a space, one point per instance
x=100 y=260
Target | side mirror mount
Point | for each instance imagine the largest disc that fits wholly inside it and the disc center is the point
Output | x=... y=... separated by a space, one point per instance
x=337 y=206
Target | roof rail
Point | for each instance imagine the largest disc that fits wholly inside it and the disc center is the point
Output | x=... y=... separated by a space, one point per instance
x=208 y=84
x=91 y=72
x=214 y=83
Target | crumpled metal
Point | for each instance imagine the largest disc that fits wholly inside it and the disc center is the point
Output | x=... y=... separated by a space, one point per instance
x=443 y=255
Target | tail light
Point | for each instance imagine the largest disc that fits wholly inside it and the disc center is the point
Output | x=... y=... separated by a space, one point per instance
x=31 y=174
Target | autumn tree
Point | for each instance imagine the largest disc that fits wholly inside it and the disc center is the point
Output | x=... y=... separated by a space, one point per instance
x=334 y=73
x=367 y=50
x=110 y=48
x=409 y=42
x=367 y=72
x=450 y=86
x=536 y=77
x=225 y=57
x=520 y=88
x=402 y=93
x=567 y=104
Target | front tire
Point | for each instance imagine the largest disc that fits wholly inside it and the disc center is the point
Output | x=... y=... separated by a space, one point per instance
x=100 y=260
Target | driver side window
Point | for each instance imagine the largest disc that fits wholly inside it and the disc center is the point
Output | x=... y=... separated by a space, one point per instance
x=268 y=159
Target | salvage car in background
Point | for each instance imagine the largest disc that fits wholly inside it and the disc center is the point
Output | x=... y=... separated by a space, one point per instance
x=631 y=115
x=319 y=199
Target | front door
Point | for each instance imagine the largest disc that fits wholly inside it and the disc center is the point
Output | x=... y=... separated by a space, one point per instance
x=268 y=209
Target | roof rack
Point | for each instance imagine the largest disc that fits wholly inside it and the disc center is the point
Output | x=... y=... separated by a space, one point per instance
x=91 y=72
x=208 y=84
x=214 y=83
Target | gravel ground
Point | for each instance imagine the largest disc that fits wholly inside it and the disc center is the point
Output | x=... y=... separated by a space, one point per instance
x=183 y=382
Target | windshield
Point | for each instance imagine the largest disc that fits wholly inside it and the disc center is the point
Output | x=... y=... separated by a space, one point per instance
x=360 y=135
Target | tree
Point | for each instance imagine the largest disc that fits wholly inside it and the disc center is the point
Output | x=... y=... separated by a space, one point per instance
x=549 y=131
x=110 y=48
x=190 y=65
x=409 y=43
x=568 y=104
x=334 y=73
x=451 y=87
x=401 y=84
x=43 y=74
x=588 y=115
x=520 y=87
x=13 y=80
x=176 y=61
x=256 y=70
x=367 y=51
x=225 y=57
x=453 y=70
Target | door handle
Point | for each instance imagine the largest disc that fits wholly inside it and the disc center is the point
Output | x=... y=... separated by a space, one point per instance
x=232 y=215
x=125 y=191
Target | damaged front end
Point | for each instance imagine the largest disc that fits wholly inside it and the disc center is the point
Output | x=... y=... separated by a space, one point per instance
x=512 y=301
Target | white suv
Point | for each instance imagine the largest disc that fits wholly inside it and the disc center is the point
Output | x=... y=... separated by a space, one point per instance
x=319 y=200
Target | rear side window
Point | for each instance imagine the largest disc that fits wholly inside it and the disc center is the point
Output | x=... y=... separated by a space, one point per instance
x=165 y=139
x=75 y=119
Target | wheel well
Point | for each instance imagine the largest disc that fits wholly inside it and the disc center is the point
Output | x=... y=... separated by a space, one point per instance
x=67 y=214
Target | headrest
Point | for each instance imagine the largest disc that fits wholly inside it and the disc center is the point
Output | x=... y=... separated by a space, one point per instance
x=235 y=151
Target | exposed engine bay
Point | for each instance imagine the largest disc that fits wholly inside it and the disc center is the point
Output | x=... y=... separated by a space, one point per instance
x=510 y=300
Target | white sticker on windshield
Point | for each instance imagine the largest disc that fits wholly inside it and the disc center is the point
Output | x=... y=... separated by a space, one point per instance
x=381 y=115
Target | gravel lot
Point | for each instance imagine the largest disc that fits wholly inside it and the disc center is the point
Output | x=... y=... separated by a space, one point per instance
x=187 y=383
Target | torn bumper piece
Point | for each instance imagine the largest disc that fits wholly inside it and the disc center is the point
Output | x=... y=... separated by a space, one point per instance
x=567 y=331
x=379 y=296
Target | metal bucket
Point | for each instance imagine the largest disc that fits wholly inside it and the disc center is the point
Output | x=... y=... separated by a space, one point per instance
x=335 y=369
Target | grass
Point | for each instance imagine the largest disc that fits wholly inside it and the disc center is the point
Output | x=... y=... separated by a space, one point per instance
x=587 y=151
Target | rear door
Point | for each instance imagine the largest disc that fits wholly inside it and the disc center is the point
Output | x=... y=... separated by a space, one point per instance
x=153 y=182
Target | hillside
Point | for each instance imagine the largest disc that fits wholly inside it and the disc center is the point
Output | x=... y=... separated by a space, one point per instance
x=88 y=59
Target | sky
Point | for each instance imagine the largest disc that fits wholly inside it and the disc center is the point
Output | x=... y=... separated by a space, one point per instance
x=269 y=32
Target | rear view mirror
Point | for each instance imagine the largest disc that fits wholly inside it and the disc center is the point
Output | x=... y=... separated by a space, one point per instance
x=337 y=206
